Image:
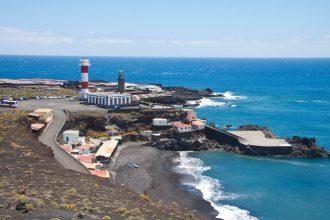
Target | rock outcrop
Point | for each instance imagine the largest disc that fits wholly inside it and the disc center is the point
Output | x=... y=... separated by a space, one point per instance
x=306 y=147
x=143 y=120
x=301 y=146
x=181 y=95
x=193 y=144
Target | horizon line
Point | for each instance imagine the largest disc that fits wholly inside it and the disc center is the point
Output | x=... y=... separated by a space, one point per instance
x=182 y=57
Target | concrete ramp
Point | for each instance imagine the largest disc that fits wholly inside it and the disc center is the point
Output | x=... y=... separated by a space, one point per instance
x=257 y=138
x=249 y=142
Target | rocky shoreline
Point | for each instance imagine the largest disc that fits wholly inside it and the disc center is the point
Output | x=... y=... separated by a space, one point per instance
x=181 y=95
x=301 y=146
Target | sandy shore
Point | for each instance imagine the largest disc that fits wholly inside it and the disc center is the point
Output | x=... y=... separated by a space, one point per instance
x=154 y=176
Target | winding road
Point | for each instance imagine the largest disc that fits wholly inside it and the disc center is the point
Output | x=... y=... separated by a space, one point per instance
x=48 y=138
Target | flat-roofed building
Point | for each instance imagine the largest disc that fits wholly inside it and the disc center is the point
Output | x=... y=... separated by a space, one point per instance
x=70 y=136
x=149 y=88
x=181 y=128
x=109 y=99
x=159 y=122
x=43 y=115
x=106 y=150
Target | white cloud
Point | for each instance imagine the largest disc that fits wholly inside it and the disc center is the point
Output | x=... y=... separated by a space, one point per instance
x=107 y=40
x=14 y=35
x=156 y=41
x=20 y=41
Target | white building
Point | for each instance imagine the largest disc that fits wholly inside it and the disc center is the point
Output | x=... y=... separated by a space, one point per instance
x=181 y=128
x=109 y=99
x=149 y=88
x=70 y=136
x=107 y=148
x=159 y=122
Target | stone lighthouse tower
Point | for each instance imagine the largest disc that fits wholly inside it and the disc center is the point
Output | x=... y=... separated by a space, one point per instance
x=121 y=81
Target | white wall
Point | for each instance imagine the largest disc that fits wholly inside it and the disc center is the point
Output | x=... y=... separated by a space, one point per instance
x=159 y=122
x=69 y=137
x=184 y=129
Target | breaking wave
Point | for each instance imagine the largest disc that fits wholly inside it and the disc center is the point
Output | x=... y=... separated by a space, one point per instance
x=209 y=187
x=230 y=96
x=206 y=102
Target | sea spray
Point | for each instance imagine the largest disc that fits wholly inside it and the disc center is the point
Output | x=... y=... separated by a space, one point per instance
x=206 y=102
x=230 y=96
x=209 y=187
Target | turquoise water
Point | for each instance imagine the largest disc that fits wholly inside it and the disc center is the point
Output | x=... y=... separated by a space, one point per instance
x=292 y=96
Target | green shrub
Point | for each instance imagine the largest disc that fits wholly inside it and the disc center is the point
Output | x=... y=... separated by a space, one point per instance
x=145 y=198
x=81 y=214
x=122 y=210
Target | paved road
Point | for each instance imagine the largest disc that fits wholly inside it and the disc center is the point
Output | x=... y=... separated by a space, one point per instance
x=48 y=138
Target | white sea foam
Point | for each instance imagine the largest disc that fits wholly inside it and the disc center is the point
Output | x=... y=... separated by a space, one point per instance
x=206 y=102
x=210 y=188
x=312 y=101
x=230 y=96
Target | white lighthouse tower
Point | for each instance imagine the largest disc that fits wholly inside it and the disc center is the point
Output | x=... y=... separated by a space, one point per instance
x=84 y=64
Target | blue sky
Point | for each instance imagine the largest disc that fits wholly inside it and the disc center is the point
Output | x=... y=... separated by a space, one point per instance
x=168 y=28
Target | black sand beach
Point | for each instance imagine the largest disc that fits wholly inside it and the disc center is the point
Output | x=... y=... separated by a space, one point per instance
x=154 y=176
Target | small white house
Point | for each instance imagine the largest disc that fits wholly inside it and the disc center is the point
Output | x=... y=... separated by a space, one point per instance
x=181 y=128
x=159 y=122
x=149 y=88
x=70 y=136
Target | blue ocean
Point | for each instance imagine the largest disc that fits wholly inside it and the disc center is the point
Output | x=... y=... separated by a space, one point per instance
x=291 y=96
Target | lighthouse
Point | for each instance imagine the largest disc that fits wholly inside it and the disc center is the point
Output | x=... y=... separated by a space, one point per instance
x=121 y=81
x=84 y=64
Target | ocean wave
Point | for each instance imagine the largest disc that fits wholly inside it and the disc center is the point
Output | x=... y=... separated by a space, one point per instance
x=210 y=188
x=206 y=102
x=230 y=96
x=170 y=73
x=311 y=101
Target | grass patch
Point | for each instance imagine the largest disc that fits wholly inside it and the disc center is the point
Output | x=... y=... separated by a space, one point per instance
x=122 y=210
x=145 y=198
x=68 y=206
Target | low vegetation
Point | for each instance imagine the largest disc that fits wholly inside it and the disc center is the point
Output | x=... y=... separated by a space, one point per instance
x=34 y=186
x=29 y=92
